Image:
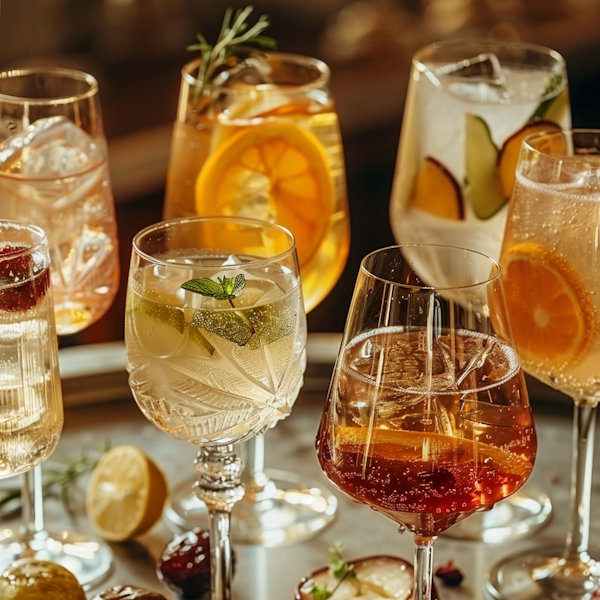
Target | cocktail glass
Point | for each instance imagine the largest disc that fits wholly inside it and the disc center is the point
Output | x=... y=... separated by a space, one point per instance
x=30 y=391
x=215 y=335
x=264 y=142
x=550 y=261
x=468 y=107
x=427 y=417
x=54 y=173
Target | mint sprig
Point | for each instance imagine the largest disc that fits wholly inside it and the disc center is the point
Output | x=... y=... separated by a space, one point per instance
x=225 y=288
x=338 y=568
x=553 y=85
x=237 y=41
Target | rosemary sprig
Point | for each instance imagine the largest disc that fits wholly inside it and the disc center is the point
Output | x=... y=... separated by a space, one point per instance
x=237 y=41
x=61 y=479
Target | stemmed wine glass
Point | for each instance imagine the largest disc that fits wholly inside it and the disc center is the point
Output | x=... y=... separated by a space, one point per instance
x=54 y=173
x=263 y=141
x=30 y=392
x=215 y=336
x=551 y=271
x=427 y=417
x=469 y=104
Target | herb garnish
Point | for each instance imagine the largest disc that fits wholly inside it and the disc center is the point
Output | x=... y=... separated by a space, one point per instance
x=225 y=288
x=338 y=568
x=553 y=85
x=237 y=41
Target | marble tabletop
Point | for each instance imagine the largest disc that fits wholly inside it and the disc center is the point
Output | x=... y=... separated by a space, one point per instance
x=273 y=573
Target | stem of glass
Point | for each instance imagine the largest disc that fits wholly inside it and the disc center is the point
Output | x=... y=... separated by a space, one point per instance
x=581 y=482
x=219 y=487
x=257 y=485
x=32 y=503
x=423 y=567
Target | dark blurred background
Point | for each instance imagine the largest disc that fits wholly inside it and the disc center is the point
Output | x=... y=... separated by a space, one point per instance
x=136 y=48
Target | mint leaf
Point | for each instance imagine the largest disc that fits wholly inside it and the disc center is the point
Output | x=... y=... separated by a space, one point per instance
x=338 y=567
x=320 y=592
x=230 y=325
x=225 y=288
x=554 y=83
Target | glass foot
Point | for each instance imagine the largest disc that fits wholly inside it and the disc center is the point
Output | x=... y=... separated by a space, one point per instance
x=291 y=509
x=90 y=560
x=518 y=516
x=542 y=574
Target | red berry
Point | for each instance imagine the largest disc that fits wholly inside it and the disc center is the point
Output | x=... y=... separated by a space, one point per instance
x=184 y=566
x=21 y=287
x=449 y=574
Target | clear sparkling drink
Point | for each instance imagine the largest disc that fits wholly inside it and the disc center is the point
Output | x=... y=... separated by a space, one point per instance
x=31 y=415
x=203 y=369
x=54 y=175
x=468 y=108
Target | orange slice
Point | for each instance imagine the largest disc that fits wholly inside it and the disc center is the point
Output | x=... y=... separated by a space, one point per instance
x=276 y=172
x=551 y=312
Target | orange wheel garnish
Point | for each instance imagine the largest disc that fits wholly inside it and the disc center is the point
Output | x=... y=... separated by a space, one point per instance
x=551 y=312
x=276 y=172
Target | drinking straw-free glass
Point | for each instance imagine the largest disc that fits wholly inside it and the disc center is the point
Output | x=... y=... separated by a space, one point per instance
x=469 y=105
x=550 y=264
x=263 y=141
x=215 y=335
x=427 y=417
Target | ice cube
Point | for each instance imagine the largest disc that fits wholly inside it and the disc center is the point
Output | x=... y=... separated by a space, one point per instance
x=479 y=78
x=50 y=147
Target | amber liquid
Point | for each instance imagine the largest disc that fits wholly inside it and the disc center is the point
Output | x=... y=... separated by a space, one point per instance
x=427 y=459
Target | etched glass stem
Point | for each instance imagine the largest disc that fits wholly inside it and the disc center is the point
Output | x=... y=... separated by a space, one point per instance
x=423 y=567
x=219 y=487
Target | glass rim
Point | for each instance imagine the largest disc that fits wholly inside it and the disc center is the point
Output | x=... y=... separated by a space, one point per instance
x=292 y=58
x=426 y=288
x=570 y=133
x=64 y=72
x=41 y=243
x=255 y=263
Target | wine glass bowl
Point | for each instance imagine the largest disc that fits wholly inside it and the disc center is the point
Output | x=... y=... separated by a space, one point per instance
x=32 y=412
x=427 y=417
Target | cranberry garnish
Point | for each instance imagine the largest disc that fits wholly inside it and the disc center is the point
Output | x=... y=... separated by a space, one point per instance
x=449 y=574
x=21 y=291
x=184 y=566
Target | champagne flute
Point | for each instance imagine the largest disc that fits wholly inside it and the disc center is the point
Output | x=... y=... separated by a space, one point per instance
x=30 y=392
x=550 y=264
x=263 y=142
x=469 y=104
x=215 y=335
x=54 y=173
x=427 y=417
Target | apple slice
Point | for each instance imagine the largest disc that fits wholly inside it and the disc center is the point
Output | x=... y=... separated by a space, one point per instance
x=481 y=156
x=509 y=155
x=376 y=578
x=437 y=191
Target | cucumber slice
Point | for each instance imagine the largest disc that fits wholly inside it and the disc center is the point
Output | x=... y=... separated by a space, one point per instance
x=481 y=156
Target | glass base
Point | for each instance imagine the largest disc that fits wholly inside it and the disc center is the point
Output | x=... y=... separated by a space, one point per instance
x=292 y=509
x=90 y=560
x=516 y=517
x=542 y=573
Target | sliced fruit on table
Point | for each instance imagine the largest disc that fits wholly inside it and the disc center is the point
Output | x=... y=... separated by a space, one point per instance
x=128 y=592
x=509 y=155
x=373 y=578
x=481 y=155
x=126 y=494
x=437 y=191
x=276 y=172
x=32 y=579
x=551 y=311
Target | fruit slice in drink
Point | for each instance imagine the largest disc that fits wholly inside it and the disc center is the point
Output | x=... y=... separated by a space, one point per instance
x=276 y=171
